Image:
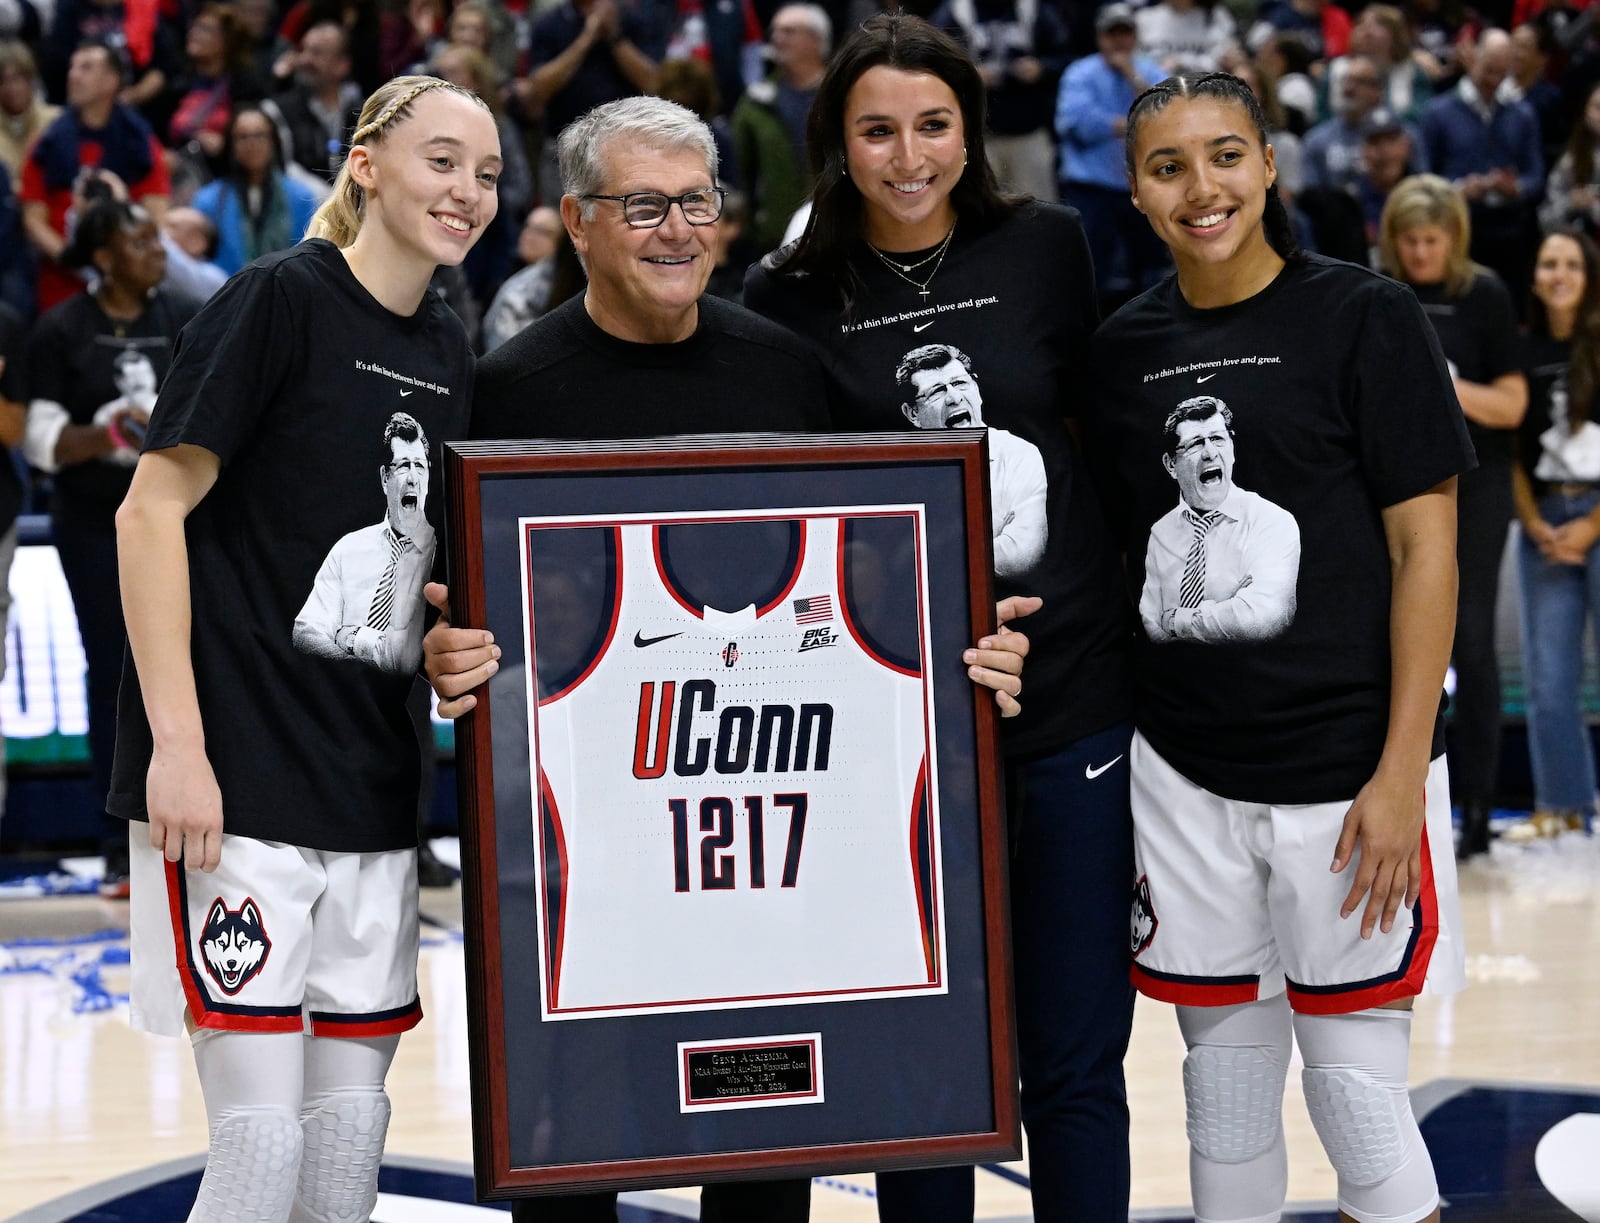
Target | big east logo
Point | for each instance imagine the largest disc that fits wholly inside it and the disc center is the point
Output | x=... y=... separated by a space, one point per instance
x=234 y=944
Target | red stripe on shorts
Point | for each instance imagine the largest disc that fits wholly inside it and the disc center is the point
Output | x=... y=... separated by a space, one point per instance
x=1193 y=991
x=356 y=1026
x=199 y=1010
x=1409 y=983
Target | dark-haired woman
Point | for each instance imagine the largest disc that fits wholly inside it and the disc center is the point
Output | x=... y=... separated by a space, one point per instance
x=937 y=302
x=1280 y=446
x=96 y=360
x=1572 y=192
x=256 y=207
x=1556 y=485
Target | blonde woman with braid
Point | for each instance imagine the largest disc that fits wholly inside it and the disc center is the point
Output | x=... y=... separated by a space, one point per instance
x=273 y=548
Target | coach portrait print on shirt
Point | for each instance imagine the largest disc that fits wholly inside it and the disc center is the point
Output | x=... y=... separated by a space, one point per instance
x=1223 y=563
x=939 y=390
x=366 y=602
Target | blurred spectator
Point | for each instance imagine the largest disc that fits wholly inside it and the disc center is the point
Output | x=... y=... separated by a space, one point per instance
x=1380 y=34
x=1185 y=35
x=1020 y=47
x=488 y=263
x=1287 y=61
x=23 y=111
x=317 y=113
x=1530 y=59
x=94 y=364
x=769 y=123
x=1387 y=158
x=190 y=239
x=259 y=18
x=486 y=26
x=1424 y=240
x=256 y=208
x=1333 y=147
x=724 y=34
x=150 y=53
x=1572 y=192
x=1091 y=117
x=1324 y=28
x=526 y=293
x=411 y=37
x=1490 y=150
x=217 y=78
x=581 y=54
x=96 y=136
x=690 y=83
x=1557 y=487
x=362 y=24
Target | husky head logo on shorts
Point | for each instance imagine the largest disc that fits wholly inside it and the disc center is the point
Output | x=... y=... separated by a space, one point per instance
x=1142 y=923
x=234 y=944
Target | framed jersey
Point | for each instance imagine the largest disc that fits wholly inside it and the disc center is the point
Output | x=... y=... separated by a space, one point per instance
x=732 y=832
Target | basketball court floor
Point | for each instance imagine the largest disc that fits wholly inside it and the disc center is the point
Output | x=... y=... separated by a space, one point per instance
x=100 y=1123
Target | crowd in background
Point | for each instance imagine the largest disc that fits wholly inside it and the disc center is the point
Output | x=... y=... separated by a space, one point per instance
x=217 y=127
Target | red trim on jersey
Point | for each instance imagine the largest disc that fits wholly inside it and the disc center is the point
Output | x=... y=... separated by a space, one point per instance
x=794 y=574
x=1193 y=993
x=353 y=1030
x=850 y=620
x=666 y=583
x=930 y=928
x=617 y=576
x=1409 y=983
x=544 y=894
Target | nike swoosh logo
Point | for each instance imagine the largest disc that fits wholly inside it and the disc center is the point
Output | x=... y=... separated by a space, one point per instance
x=1091 y=772
x=640 y=640
x=1203 y=377
x=923 y=326
x=403 y=394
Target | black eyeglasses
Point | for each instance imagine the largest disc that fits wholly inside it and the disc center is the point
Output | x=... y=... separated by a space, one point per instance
x=647 y=209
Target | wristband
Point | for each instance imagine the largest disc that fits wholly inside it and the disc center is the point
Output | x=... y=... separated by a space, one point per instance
x=119 y=439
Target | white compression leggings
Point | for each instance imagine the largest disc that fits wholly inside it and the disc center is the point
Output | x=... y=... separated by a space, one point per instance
x=1355 y=1086
x=297 y=1126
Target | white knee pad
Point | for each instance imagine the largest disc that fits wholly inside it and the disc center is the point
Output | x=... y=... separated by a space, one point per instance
x=1355 y=1084
x=1233 y=1079
x=252 y=1169
x=344 y=1137
x=1233 y=1087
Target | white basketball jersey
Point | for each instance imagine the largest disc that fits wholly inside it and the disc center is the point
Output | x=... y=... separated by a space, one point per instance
x=738 y=808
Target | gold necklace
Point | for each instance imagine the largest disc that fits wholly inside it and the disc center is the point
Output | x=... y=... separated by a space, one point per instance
x=900 y=269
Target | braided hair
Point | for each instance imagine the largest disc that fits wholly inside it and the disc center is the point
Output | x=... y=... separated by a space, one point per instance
x=339 y=218
x=1221 y=87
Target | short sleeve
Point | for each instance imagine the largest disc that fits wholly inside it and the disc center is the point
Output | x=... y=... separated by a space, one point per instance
x=1411 y=429
x=49 y=360
x=227 y=367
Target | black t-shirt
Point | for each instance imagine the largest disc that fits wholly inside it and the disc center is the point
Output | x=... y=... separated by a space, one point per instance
x=564 y=377
x=307 y=557
x=83 y=359
x=1478 y=332
x=1550 y=450
x=1264 y=668
x=1017 y=301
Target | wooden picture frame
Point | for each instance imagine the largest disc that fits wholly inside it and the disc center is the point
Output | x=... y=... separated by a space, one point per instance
x=727 y=933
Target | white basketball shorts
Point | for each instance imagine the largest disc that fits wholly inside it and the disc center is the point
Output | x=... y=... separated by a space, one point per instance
x=276 y=939
x=1235 y=901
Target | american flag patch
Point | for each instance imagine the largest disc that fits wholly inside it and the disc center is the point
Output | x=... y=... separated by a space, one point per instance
x=814 y=609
